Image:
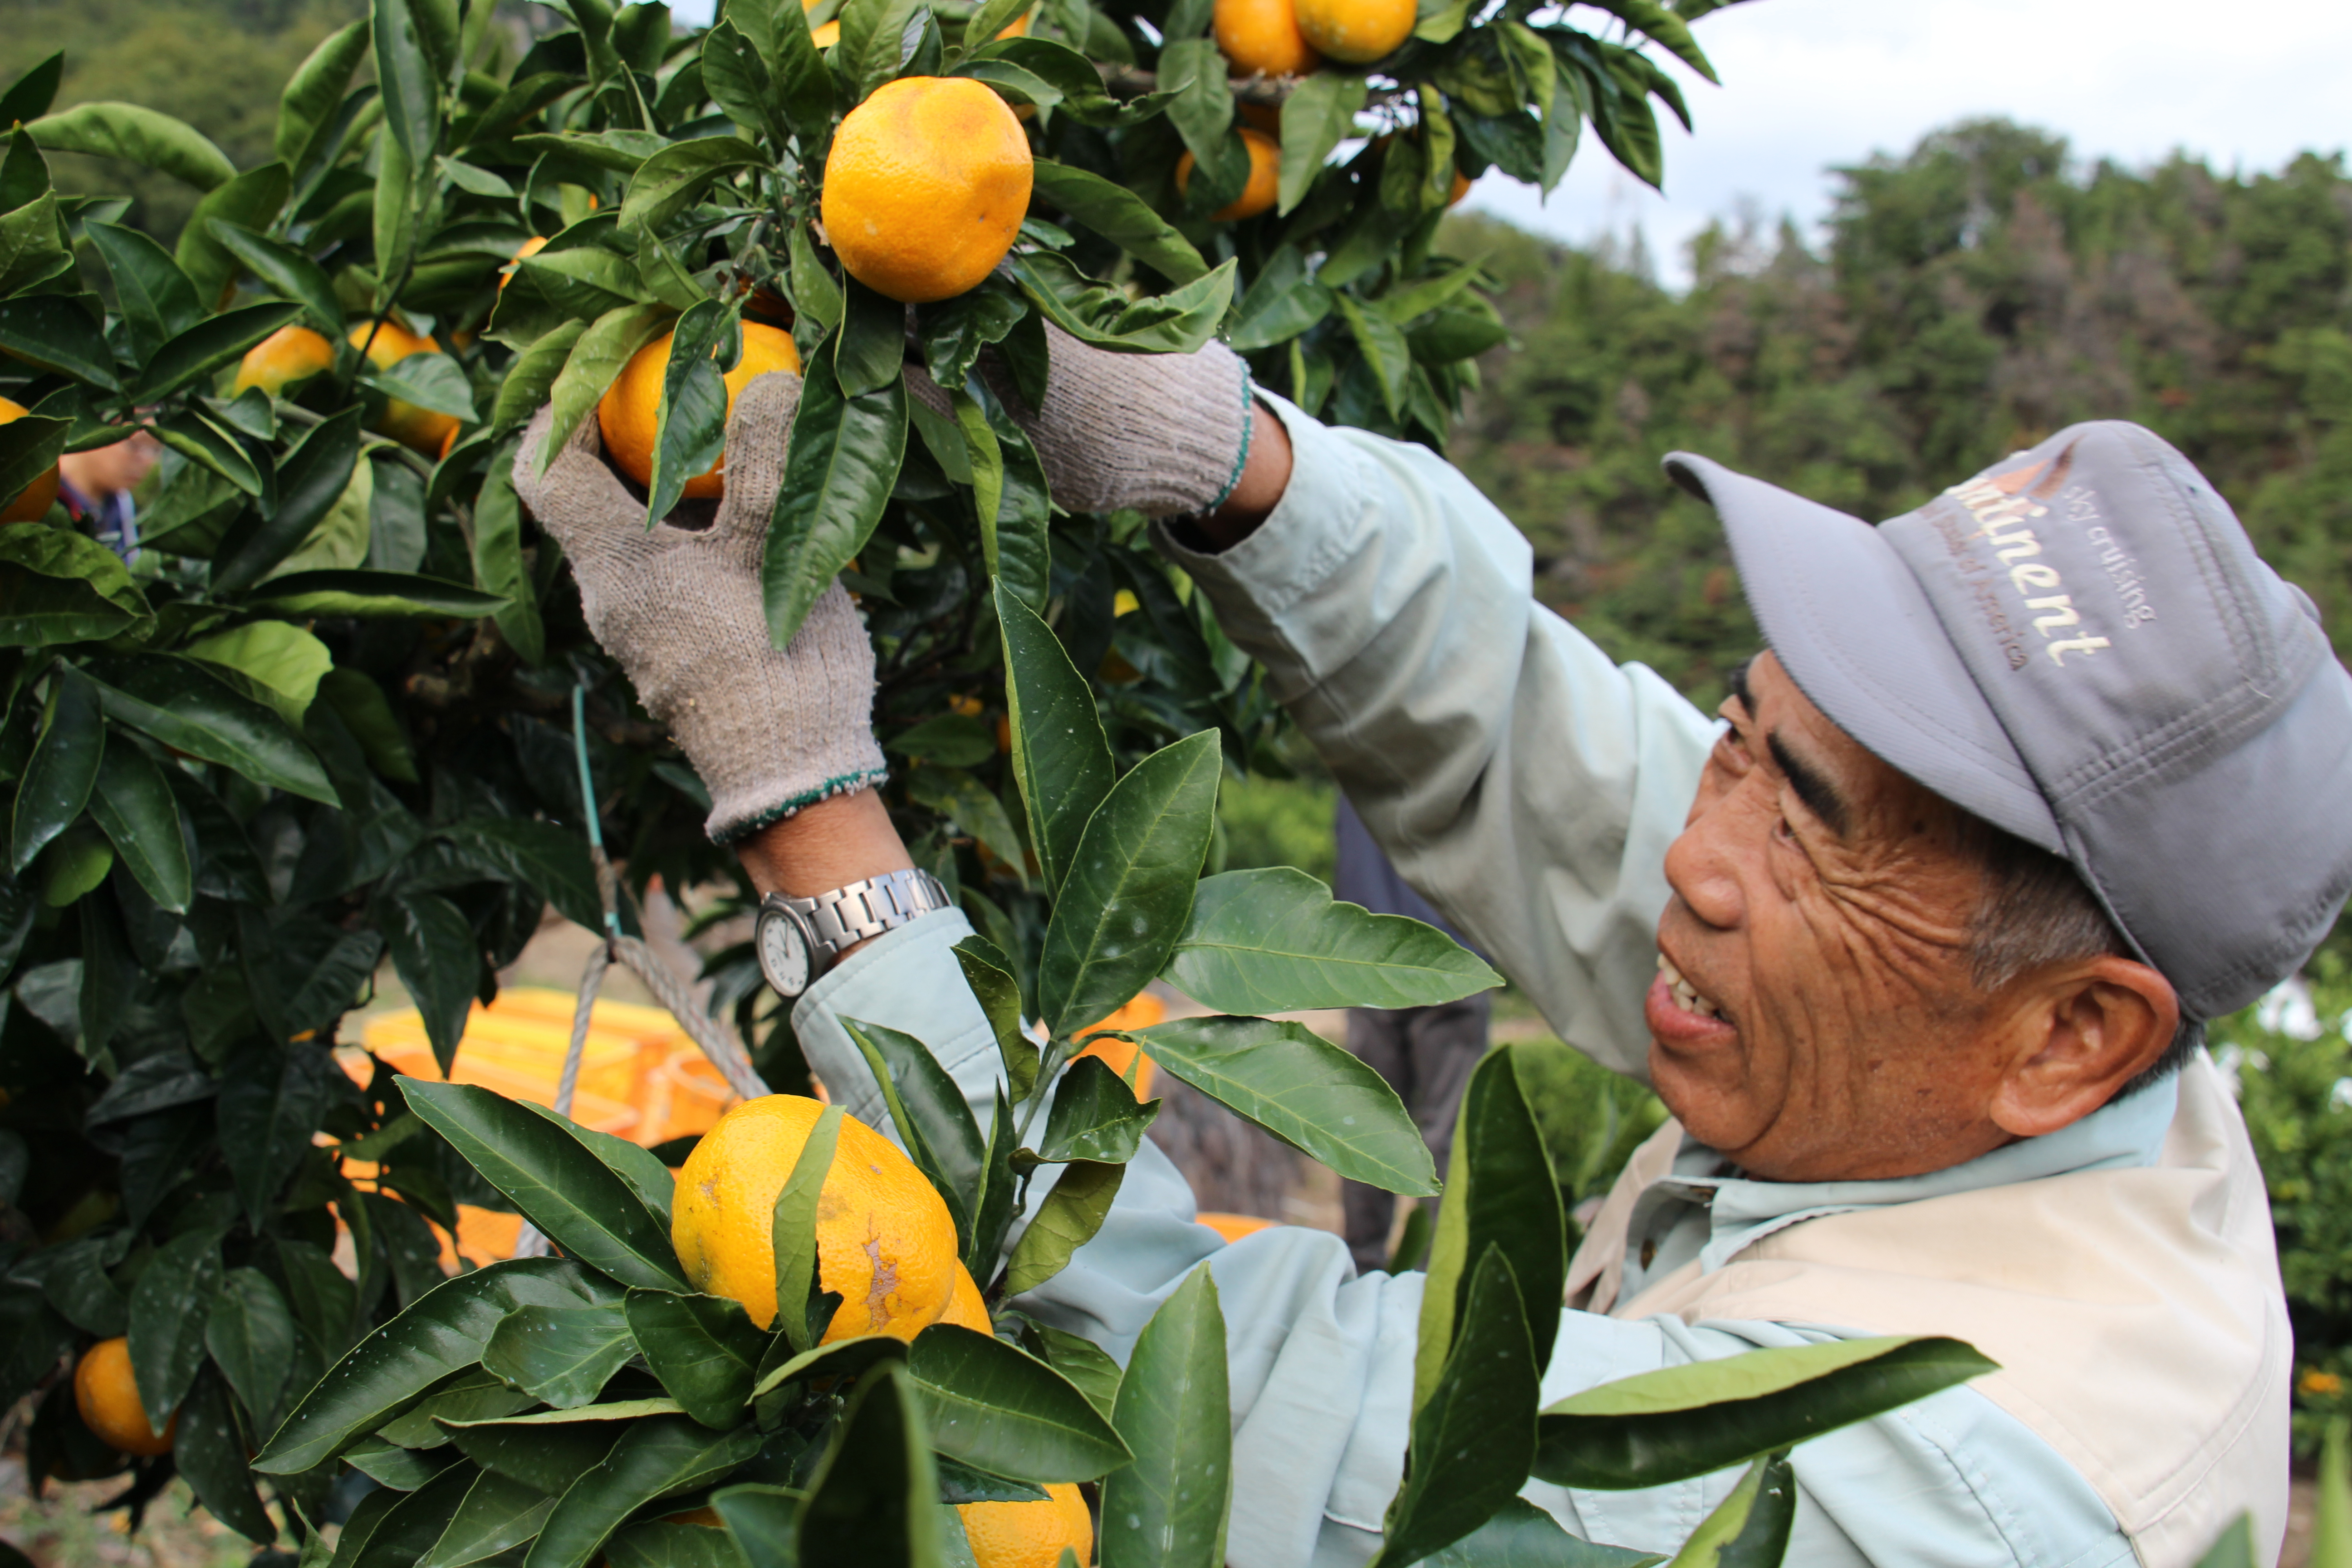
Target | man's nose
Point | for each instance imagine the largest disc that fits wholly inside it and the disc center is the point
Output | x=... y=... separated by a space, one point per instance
x=1702 y=864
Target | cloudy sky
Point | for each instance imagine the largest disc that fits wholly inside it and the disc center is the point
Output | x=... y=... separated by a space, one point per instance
x=1810 y=83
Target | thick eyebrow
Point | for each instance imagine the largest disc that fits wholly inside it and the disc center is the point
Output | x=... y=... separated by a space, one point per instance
x=1813 y=788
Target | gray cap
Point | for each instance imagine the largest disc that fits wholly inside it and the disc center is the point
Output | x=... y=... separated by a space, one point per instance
x=2080 y=645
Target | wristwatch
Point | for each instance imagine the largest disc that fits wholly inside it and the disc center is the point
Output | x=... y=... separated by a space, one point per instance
x=799 y=939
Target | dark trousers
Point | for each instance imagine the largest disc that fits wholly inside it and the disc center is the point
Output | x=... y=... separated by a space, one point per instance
x=1426 y=1054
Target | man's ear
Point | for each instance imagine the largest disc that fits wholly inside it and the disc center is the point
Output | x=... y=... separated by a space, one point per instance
x=2079 y=1032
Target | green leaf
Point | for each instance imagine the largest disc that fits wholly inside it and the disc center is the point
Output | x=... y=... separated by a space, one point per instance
x=791 y=1229
x=544 y=857
x=1474 y=1437
x=1179 y=322
x=157 y=302
x=992 y=1207
x=841 y=1359
x=573 y=1199
x=965 y=801
x=372 y=594
x=900 y=1062
x=659 y=1545
x=545 y=1456
x=1274 y=941
x=192 y=434
x=1124 y=218
x=764 y=1523
x=532 y=377
x=666 y=183
x=315 y=91
x=1318 y=115
x=170 y=1308
x=1085 y=1364
x=870 y=349
x=953 y=331
x=735 y=73
x=407 y=1529
x=254 y=198
x=415 y=42
x=390 y=1465
x=1129 y=884
x=63 y=768
x=497 y=1512
x=1167 y=1510
x=364 y=709
x=2235 y=1546
x=562 y=1356
x=1693 y=1420
x=1066 y=1221
x=654 y=1183
x=134 y=808
x=990 y=976
x=66 y=587
x=208 y=1452
x=1651 y=18
x=611 y=1410
x=251 y=1336
x=874 y=1500
x=74 y=866
x=271 y=1101
x=595 y=360
x=1501 y=1192
x=1304 y=1091
x=57 y=333
x=1095 y=1116
x=1059 y=754
x=438 y=962
x=282 y=662
x=702 y=1348
x=30 y=95
x=993 y=1407
x=312 y=479
x=1521 y=1535
x=655 y=1457
x=1382 y=345
x=951 y=740
x=208 y=345
x=285 y=270
x=174 y=700
x=843 y=461
x=1015 y=510
x=387 y=1373
x=690 y=419
x=141 y=135
x=1749 y=1529
x=1201 y=105
x=429 y=381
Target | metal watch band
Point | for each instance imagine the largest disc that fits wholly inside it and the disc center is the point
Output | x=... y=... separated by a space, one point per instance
x=848 y=916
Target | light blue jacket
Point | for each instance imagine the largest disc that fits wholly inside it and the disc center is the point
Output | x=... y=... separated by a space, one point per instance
x=1530 y=787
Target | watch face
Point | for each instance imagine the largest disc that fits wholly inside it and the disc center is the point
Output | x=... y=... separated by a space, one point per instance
x=784 y=953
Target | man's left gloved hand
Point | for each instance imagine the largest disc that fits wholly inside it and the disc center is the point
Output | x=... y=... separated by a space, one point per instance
x=768 y=731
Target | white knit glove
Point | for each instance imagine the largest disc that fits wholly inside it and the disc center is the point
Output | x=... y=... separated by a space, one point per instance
x=1164 y=434
x=769 y=733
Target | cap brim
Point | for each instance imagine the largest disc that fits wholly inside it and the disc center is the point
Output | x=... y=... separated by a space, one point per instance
x=1855 y=631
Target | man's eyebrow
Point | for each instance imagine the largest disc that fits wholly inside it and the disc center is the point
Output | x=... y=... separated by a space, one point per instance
x=1737 y=680
x=1821 y=796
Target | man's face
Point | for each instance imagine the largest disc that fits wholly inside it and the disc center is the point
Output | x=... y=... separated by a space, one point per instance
x=1821 y=919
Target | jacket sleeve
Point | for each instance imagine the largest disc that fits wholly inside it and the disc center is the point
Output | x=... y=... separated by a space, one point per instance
x=1524 y=783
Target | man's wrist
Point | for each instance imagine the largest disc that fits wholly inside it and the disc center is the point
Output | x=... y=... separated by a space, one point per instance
x=1260 y=488
x=839 y=840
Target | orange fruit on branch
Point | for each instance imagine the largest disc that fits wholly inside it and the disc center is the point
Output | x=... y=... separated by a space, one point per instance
x=1265 y=178
x=108 y=1397
x=287 y=355
x=967 y=1308
x=531 y=247
x=926 y=188
x=884 y=1243
x=626 y=413
x=31 y=503
x=1261 y=38
x=1357 y=31
x=1030 y=1534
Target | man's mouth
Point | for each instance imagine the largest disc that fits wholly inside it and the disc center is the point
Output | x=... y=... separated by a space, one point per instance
x=1684 y=993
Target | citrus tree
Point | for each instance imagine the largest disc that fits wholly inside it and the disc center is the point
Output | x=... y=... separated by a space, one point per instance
x=339 y=709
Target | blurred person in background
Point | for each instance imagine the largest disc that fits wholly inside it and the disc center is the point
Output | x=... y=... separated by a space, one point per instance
x=96 y=486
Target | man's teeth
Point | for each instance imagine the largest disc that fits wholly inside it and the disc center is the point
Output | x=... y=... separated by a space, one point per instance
x=1686 y=998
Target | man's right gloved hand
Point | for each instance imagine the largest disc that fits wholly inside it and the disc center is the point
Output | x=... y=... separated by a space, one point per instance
x=1163 y=434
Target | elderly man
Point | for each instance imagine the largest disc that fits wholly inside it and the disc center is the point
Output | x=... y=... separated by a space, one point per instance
x=1912 y=938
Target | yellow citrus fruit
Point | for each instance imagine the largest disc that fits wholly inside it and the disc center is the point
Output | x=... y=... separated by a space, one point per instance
x=926 y=186
x=1263 y=116
x=108 y=1398
x=625 y=414
x=1030 y=1534
x=287 y=355
x=826 y=36
x=31 y=503
x=1232 y=1227
x=966 y=1308
x=531 y=247
x=884 y=1240
x=1265 y=178
x=1261 y=37
x=423 y=429
x=1461 y=189
x=1356 y=30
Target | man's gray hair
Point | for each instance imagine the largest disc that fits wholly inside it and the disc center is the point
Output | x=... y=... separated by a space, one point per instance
x=2037 y=911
